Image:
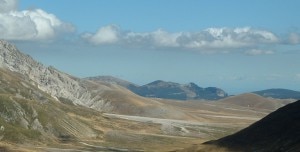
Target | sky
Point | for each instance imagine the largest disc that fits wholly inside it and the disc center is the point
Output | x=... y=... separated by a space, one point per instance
x=239 y=46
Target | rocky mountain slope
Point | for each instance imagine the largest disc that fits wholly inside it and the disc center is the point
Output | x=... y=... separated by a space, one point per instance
x=113 y=80
x=279 y=93
x=104 y=97
x=42 y=108
x=32 y=120
x=48 y=79
x=167 y=90
x=29 y=114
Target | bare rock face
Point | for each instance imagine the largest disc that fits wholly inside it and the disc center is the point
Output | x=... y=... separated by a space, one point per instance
x=2 y=128
x=48 y=79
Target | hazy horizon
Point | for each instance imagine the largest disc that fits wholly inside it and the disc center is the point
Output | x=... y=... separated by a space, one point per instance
x=236 y=46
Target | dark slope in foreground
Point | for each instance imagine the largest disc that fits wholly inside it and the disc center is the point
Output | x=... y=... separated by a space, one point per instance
x=279 y=131
x=279 y=93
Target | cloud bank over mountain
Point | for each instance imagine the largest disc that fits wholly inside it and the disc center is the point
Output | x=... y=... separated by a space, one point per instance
x=209 y=39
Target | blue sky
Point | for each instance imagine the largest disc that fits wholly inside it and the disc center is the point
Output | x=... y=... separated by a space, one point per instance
x=239 y=46
x=174 y=16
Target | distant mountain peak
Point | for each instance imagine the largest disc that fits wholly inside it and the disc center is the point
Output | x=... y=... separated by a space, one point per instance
x=172 y=90
x=157 y=82
x=279 y=93
x=169 y=90
x=192 y=85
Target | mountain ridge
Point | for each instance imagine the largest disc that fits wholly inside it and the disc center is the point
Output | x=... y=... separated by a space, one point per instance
x=168 y=90
x=113 y=80
x=279 y=93
x=103 y=97
x=256 y=101
x=41 y=105
x=56 y=83
x=276 y=93
x=59 y=84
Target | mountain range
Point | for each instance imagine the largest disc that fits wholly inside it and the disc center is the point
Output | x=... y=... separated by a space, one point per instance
x=103 y=97
x=167 y=90
x=41 y=105
x=190 y=91
x=44 y=109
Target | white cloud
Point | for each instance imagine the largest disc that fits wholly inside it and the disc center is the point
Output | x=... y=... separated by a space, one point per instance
x=208 y=39
x=8 y=5
x=254 y=52
x=30 y=24
x=238 y=37
x=165 y=39
x=105 y=35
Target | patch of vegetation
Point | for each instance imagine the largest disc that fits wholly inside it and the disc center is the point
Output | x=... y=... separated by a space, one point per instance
x=48 y=114
x=26 y=94
x=26 y=105
x=6 y=106
x=43 y=118
x=218 y=132
x=14 y=133
x=145 y=142
x=3 y=149
x=65 y=101
x=65 y=138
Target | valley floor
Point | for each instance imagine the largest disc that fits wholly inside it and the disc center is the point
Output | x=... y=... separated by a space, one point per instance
x=90 y=130
x=161 y=134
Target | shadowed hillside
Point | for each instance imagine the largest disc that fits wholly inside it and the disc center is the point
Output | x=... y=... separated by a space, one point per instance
x=279 y=131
